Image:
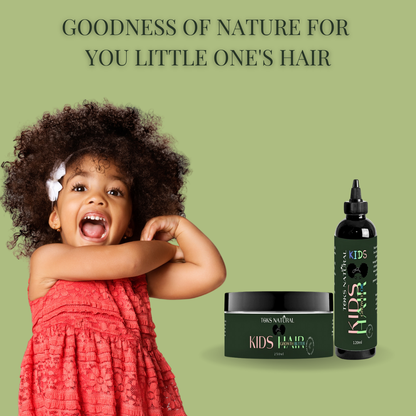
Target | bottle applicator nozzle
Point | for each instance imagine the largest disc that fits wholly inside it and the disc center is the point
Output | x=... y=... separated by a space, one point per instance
x=355 y=191
x=355 y=205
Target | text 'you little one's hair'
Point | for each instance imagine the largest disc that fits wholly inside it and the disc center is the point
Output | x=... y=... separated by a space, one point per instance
x=122 y=135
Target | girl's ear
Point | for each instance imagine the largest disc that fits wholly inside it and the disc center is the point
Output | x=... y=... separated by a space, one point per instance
x=54 y=221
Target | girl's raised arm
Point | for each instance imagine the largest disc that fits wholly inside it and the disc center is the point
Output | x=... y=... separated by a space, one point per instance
x=202 y=269
x=54 y=262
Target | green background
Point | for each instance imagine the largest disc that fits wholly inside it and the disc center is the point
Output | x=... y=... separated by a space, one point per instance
x=273 y=151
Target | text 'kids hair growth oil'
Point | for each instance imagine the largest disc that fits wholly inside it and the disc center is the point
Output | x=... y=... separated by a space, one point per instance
x=355 y=281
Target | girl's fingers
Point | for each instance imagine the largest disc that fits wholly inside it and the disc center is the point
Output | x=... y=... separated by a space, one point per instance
x=147 y=234
x=160 y=228
x=152 y=227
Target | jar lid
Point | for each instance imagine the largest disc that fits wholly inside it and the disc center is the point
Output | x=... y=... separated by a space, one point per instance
x=278 y=302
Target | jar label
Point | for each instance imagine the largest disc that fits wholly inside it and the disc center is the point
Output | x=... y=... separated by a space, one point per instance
x=278 y=335
x=355 y=293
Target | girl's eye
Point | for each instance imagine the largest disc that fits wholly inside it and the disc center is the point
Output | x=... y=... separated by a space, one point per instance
x=79 y=188
x=115 y=192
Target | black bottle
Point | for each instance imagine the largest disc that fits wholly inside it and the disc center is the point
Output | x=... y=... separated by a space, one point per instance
x=355 y=281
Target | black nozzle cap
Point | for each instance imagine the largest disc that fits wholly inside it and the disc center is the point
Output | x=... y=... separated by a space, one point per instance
x=355 y=205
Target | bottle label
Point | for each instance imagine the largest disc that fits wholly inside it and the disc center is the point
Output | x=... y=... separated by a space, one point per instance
x=355 y=293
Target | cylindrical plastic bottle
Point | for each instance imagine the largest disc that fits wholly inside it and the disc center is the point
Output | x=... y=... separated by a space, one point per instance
x=355 y=281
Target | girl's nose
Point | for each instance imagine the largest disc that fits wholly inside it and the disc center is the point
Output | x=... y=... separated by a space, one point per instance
x=97 y=199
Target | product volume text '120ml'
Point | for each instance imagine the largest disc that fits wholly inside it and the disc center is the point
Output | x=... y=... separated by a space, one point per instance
x=355 y=281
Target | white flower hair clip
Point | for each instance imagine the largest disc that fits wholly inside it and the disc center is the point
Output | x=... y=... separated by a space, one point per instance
x=52 y=185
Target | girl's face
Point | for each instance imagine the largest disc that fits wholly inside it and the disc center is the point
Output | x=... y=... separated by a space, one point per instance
x=94 y=206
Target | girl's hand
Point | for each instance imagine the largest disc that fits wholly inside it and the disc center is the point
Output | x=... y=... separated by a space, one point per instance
x=164 y=228
x=161 y=228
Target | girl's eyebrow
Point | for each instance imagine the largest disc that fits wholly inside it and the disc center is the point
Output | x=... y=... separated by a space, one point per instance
x=118 y=178
x=122 y=179
x=86 y=174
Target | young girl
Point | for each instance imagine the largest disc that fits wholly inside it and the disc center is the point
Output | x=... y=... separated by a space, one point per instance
x=94 y=194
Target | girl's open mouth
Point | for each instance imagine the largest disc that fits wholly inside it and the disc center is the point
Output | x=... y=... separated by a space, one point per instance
x=94 y=227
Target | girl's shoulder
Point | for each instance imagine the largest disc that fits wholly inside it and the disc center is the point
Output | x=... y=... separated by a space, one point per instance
x=41 y=280
x=47 y=252
x=44 y=256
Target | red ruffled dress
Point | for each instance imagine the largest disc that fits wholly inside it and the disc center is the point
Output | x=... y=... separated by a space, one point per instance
x=93 y=352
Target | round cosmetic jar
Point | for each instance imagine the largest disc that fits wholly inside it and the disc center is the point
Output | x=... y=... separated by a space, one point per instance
x=278 y=324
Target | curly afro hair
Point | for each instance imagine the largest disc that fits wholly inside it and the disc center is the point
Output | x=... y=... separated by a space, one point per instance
x=124 y=135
